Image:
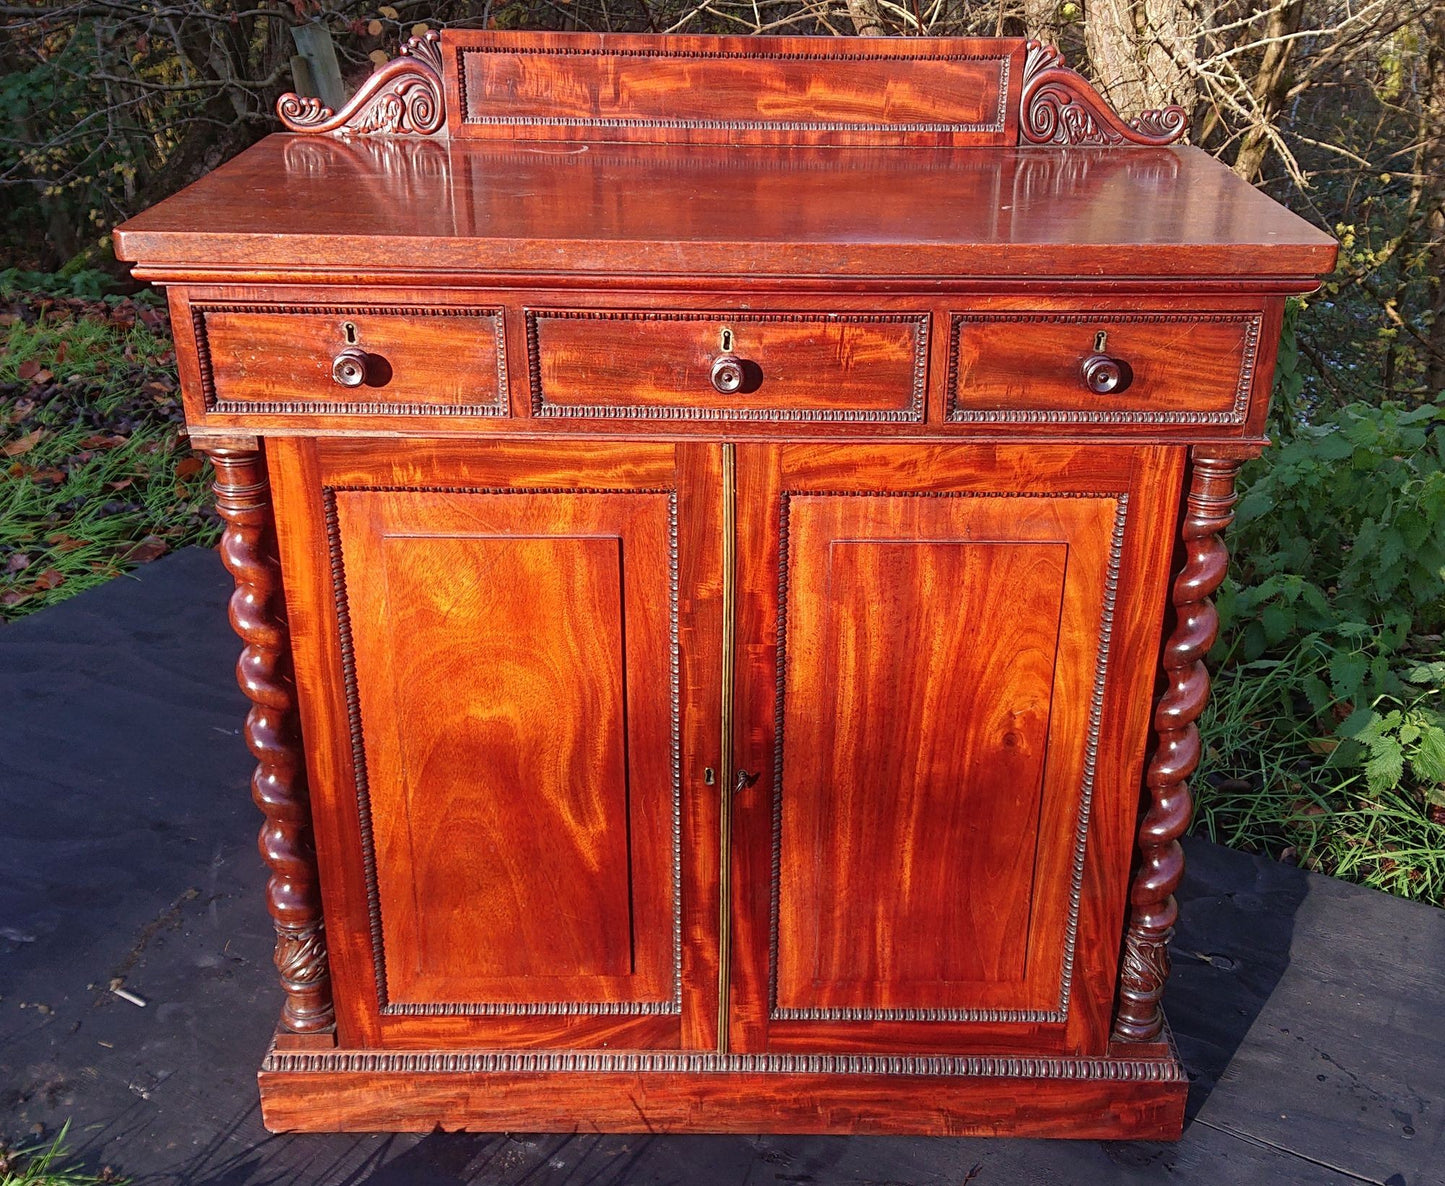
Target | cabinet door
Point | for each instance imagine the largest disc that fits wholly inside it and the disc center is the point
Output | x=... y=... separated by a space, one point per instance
x=947 y=665
x=492 y=671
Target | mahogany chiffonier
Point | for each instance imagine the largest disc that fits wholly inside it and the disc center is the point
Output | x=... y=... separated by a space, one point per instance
x=723 y=532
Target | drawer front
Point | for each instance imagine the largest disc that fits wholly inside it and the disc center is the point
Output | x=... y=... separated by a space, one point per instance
x=1026 y=367
x=356 y=360
x=789 y=366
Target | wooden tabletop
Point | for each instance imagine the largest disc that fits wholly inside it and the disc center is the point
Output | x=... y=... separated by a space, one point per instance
x=305 y=204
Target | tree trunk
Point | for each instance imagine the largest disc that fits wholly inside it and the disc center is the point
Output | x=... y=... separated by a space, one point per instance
x=867 y=18
x=1271 y=85
x=1041 y=17
x=1142 y=52
x=1433 y=175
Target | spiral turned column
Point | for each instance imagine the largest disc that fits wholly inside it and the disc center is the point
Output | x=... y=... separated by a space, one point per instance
x=1208 y=511
x=243 y=498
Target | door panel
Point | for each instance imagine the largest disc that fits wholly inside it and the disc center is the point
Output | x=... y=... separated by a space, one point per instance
x=948 y=647
x=504 y=703
x=913 y=862
x=513 y=685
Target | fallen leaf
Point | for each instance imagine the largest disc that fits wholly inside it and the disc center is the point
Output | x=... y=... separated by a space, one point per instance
x=189 y=467
x=14 y=598
x=61 y=542
x=49 y=579
x=102 y=440
x=53 y=476
x=147 y=550
x=374 y=28
x=28 y=369
x=17 y=561
x=61 y=351
x=388 y=11
x=24 y=444
x=121 y=485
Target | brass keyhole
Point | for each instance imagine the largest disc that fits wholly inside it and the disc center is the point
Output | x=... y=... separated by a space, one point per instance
x=1101 y=341
x=725 y=341
x=348 y=331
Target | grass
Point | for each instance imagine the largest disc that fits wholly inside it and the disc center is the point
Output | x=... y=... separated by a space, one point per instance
x=44 y=1165
x=1273 y=781
x=97 y=476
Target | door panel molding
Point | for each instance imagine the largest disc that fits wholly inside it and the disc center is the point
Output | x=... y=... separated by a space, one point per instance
x=672 y=1004
x=1059 y=1013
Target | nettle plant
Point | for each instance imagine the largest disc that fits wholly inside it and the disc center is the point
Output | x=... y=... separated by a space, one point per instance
x=1340 y=562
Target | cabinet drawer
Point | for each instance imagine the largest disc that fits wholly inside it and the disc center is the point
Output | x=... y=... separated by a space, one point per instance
x=1025 y=367
x=727 y=366
x=351 y=360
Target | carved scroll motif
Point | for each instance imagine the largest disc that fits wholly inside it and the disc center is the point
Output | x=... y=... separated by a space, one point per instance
x=243 y=498
x=1059 y=106
x=404 y=96
x=1153 y=911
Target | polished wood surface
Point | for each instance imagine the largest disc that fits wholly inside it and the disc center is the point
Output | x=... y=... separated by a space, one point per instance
x=1129 y=1096
x=279 y=358
x=278 y=786
x=392 y=208
x=847 y=742
x=733 y=90
x=795 y=365
x=722 y=582
x=1180 y=365
x=520 y=785
x=1209 y=509
x=952 y=621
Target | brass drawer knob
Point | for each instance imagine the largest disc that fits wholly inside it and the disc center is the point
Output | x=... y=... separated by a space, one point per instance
x=727 y=373
x=1106 y=376
x=349 y=367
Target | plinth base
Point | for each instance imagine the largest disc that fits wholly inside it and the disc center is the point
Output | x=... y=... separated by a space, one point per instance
x=1135 y=1092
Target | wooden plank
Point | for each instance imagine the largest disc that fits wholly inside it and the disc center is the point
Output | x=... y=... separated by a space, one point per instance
x=1332 y=996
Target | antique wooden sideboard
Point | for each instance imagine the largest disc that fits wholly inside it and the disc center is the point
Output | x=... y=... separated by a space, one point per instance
x=723 y=532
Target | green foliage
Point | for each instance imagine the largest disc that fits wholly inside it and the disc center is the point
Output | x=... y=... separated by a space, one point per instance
x=1325 y=736
x=43 y=1164
x=96 y=475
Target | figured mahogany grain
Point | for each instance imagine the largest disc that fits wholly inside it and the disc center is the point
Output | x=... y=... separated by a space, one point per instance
x=798 y=365
x=518 y=742
x=927 y=642
x=881 y=882
x=1196 y=364
x=386 y=208
x=263 y=356
x=733 y=90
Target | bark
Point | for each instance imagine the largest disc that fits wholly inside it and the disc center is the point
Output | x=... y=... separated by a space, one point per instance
x=1041 y=17
x=1433 y=175
x=1271 y=86
x=867 y=18
x=1141 y=52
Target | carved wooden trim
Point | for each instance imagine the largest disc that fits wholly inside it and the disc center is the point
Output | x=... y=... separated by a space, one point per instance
x=387 y=1007
x=1059 y=106
x=413 y=1062
x=499 y=406
x=1209 y=510
x=407 y=97
x=1086 y=785
x=403 y=97
x=954 y=413
x=258 y=615
x=913 y=414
